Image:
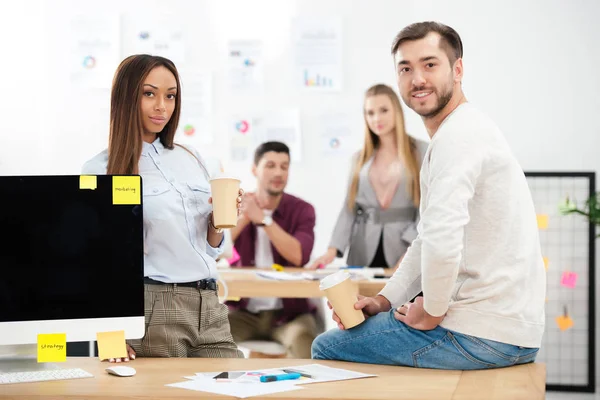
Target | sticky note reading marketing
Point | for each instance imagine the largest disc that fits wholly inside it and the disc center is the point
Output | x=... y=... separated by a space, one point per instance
x=126 y=190
x=564 y=322
x=569 y=279
x=111 y=345
x=52 y=347
x=87 y=182
x=542 y=221
x=546 y=263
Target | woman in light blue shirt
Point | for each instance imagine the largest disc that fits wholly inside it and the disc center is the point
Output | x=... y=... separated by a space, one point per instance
x=183 y=315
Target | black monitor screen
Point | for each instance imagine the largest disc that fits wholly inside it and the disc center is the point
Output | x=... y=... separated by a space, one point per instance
x=67 y=252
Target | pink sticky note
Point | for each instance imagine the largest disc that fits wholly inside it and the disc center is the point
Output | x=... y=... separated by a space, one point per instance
x=234 y=258
x=569 y=279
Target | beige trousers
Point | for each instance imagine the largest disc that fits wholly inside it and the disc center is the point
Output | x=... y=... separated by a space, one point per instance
x=184 y=322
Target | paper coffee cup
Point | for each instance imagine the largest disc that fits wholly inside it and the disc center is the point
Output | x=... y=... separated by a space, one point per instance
x=224 y=192
x=342 y=294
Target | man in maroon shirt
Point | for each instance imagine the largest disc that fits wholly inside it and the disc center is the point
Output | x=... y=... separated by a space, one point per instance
x=274 y=227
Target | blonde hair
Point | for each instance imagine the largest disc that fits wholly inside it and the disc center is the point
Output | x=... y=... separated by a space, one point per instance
x=407 y=149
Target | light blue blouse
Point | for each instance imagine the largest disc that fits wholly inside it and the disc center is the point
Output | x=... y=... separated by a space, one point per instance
x=176 y=211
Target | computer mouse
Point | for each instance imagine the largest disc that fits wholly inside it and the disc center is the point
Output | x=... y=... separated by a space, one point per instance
x=120 y=370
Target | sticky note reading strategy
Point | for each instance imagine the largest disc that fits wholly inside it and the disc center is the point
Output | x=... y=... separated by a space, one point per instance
x=88 y=182
x=111 y=345
x=542 y=221
x=52 y=347
x=569 y=279
x=126 y=190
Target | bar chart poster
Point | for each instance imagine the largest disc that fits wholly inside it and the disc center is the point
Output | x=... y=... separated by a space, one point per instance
x=318 y=60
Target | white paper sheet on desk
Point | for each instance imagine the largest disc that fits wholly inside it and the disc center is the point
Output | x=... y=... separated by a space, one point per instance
x=281 y=276
x=319 y=373
x=355 y=273
x=366 y=272
x=240 y=390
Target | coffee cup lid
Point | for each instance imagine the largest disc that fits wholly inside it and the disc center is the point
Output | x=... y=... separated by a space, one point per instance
x=224 y=176
x=333 y=279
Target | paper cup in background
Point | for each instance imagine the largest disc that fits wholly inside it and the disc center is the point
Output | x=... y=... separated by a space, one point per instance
x=342 y=295
x=224 y=192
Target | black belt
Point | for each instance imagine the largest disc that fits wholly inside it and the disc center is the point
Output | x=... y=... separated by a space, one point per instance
x=204 y=284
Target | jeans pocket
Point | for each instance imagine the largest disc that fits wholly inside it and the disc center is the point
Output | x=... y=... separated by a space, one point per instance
x=439 y=355
x=528 y=357
x=484 y=351
x=455 y=352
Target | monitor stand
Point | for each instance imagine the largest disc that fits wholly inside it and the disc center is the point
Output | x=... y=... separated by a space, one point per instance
x=22 y=358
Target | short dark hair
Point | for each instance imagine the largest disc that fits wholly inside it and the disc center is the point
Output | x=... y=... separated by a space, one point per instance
x=266 y=147
x=450 y=40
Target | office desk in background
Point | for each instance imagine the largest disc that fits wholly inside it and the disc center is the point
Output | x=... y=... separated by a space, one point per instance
x=524 y=382
x=243 y=282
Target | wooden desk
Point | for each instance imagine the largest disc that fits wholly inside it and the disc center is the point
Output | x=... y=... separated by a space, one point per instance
x=241 y=282
x=526 y=382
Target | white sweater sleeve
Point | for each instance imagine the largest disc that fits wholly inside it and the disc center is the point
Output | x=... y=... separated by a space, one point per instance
x=453 y=174
x=405 y=283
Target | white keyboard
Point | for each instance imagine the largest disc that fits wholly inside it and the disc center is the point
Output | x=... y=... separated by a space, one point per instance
x=47 y=375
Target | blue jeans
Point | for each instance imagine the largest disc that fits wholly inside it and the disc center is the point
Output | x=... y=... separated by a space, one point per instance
x=383 y=339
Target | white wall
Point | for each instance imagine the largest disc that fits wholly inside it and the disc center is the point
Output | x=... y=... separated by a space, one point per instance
x=532 y=65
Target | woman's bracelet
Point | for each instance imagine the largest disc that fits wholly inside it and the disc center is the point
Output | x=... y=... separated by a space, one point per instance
x=212 y=225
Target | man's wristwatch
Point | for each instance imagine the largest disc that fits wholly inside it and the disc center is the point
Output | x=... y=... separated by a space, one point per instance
x=267 y=220
x=212 y=225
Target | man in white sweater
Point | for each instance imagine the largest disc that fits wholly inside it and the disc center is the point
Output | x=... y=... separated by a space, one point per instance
x=477 y=256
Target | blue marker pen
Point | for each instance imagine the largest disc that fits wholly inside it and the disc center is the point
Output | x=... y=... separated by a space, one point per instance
x=352 y=267
x=282 y=377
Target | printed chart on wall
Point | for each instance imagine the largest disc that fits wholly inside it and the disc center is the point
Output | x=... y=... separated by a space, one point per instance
x=157 y=35
x=94 y=42
x=242 y=138
x=568 y=248
x=245 y=66
x=248 y=131
x=317 y=44
x=335 y=137
x=195 y=123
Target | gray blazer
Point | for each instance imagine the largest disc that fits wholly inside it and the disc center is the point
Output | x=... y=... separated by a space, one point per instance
x=360 y=231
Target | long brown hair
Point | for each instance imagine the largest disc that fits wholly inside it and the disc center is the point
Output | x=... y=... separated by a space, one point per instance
x=126 y=126
x=407 y=149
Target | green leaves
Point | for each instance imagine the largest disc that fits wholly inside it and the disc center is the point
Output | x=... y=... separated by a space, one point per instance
x=591 y=210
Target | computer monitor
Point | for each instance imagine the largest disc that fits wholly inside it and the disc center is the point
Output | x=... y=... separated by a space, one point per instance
x=71 y=258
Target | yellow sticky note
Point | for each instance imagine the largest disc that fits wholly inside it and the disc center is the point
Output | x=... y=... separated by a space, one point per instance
x=542 y=221
x=232 y=298
x=111 y=345
x=277 y=267
x=546 y=263
x=564 y=322
x=52 y=347
x=126 y=190
x=87 y=182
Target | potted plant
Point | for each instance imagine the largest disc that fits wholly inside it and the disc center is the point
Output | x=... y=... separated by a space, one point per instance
x=591 y=210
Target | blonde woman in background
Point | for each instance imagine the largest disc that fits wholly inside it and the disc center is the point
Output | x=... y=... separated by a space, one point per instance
x=378 y=220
